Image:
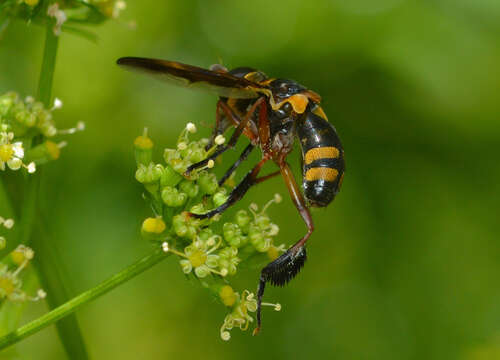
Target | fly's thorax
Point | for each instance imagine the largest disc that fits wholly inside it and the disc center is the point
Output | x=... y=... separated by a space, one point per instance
x=282 y=131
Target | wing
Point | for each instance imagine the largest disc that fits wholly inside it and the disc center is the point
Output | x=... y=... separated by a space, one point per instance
x=222 y=83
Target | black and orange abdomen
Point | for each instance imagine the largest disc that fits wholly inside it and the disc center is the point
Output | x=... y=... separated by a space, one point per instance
x=323 y=158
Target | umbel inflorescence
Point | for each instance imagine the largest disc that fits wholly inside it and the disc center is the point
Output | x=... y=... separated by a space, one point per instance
x=28 y=133
x=209 y=250
x=28 y=136
x=64 y=14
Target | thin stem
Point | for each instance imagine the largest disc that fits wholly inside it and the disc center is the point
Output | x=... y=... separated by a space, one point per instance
x=5 y=205
x=69 y=307
x=47 y=262
x=29 y=207
x=48 y=66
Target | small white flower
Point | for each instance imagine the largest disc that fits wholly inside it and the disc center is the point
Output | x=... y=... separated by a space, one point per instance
x=57 y=104
x=18 y=149
x=60 y=16
x=52 y=131
x=8 y=223
x=14 y=163
x=219 y=140
x=41 y=294
x=190 y=127
x=31 y=167
x=210 y=164
x=182 y=146
x=119 y=7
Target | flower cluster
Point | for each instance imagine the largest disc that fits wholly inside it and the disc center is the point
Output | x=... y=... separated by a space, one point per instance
x=64 y=13
x=26 y=133
x=208 y=251
x=11 y=267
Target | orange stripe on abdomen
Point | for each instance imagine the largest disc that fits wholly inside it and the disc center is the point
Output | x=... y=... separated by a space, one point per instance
x=321 y=173
x=327 y=152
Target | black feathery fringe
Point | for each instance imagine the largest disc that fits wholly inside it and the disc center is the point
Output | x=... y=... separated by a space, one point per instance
x=285 y=268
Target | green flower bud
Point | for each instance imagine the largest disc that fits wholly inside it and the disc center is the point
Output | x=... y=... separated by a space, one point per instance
x=169 y=177
x=183 y=226
x=186 y=266
x=202 y=271
x=220 y=197
x=171 y=154
x=196 y=155
x=263 y=245
x=189 y=187
x=208 y=183
x=7 y=101
x=212 y=261
x=179 y=165
x=205 y=234
x=262 y=221
x=228 y=259
x=46 y=124
x=242 y=218
x=143 y=149
x=150 y=174
x=233 y=236
x=172 y=197
x=198 y=209
x=258 y=239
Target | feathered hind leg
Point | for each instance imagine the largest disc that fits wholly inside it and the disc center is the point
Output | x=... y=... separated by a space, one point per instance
x=287 y=266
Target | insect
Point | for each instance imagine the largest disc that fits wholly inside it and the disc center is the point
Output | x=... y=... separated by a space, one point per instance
x=271 y=113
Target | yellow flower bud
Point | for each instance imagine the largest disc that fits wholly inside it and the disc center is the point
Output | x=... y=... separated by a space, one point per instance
x=153 y=225
x=227 y=295
x=7 y=285
x=53 y=150
x=143 y=142
x=31 y=2
x=6 y=152
x=17 y=257
x=197 y=258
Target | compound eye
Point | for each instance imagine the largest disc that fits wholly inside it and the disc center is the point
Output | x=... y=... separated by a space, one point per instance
x=287 y=108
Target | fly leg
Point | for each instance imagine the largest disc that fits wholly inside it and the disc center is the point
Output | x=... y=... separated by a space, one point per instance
x=287 y=266
x=224 y=118
x=248 y=181
x=241 y=128
x=237 y=163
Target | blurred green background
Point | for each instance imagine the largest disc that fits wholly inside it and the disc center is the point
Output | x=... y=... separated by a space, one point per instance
x=403 y=265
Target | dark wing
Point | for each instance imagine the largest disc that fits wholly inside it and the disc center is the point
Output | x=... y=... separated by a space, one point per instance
x=222 y=83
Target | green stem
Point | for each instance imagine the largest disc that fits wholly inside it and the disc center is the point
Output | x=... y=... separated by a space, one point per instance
x=29 y=208
x=48 y=66
x=47 y=262
x=82 y=299
x=5 y=205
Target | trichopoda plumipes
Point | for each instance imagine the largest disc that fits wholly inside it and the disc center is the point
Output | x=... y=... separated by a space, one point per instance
x=271 y=113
